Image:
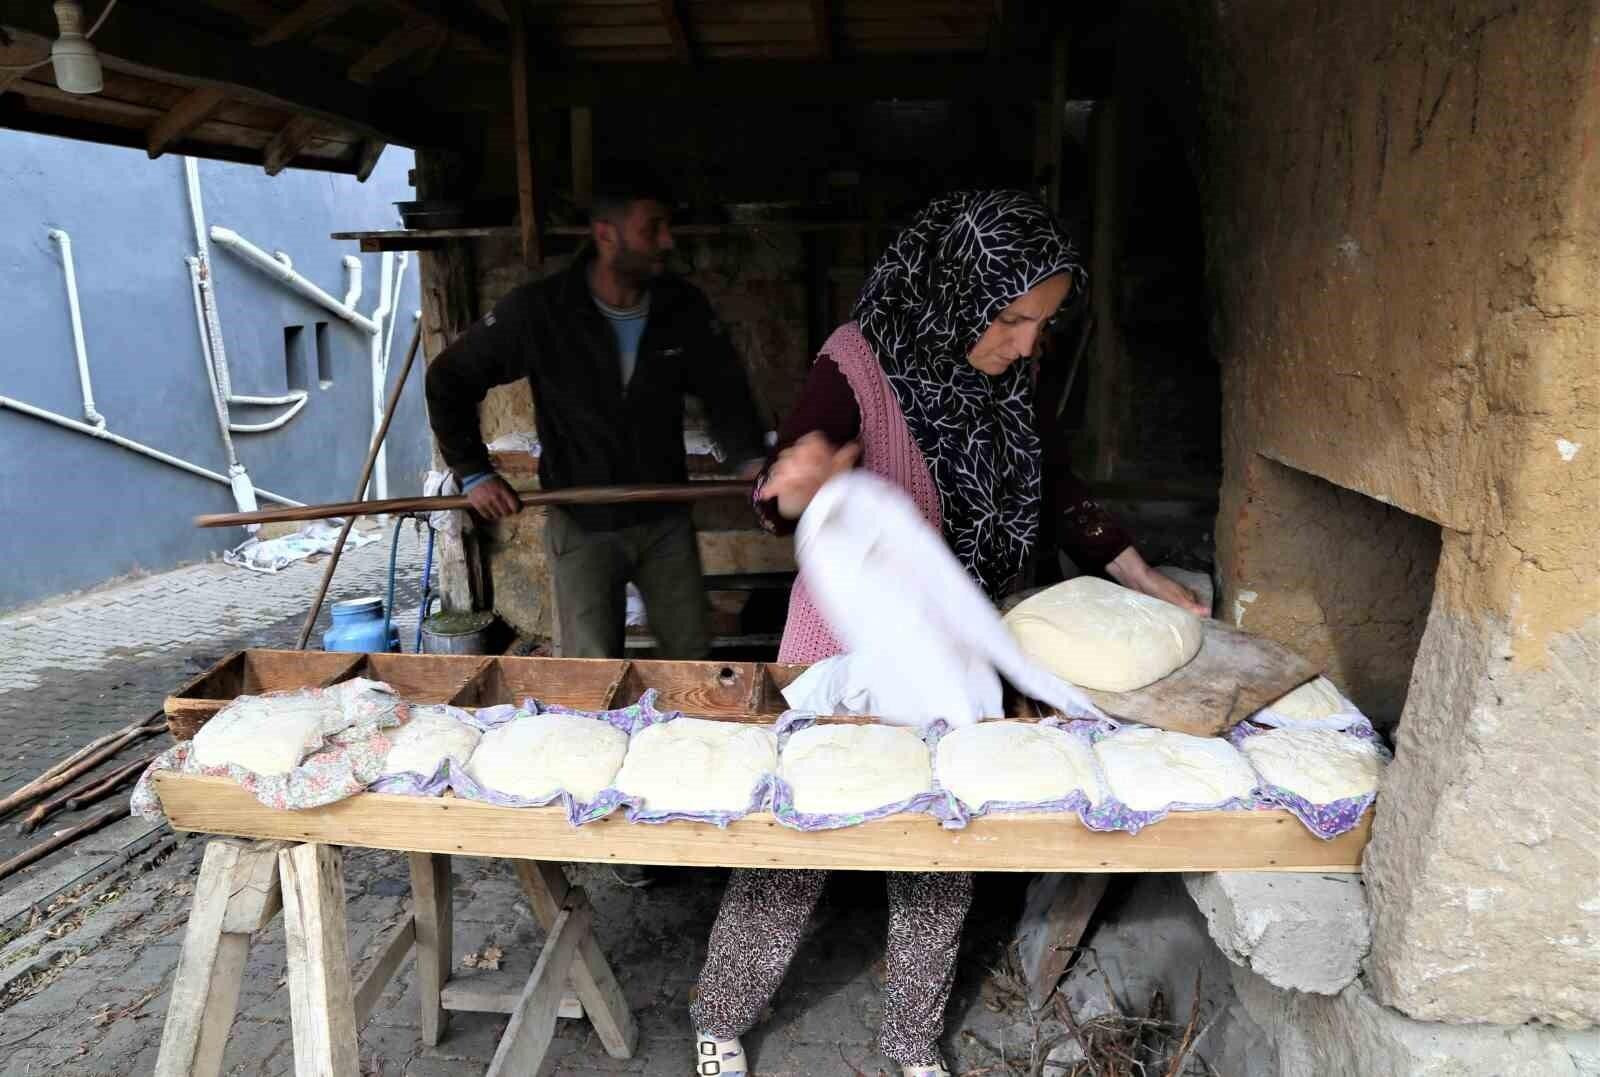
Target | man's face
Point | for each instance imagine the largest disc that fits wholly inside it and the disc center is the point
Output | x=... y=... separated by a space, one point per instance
x=635 y=243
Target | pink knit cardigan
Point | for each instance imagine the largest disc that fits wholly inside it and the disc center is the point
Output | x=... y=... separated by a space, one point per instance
x=887 y=449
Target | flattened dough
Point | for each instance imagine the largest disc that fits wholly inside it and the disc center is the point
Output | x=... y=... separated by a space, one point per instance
x=1148 y=769
x=1095 y=634
x=429 y=737
x=697 y=765
x=840 y=769
x=267 y=734
x=535 y=756
x=1319 y=764
x=1016 y=762
x=1317 y=698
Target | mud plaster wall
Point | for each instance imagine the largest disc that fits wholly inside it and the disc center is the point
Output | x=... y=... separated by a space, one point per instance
x=756 y=283
x=1402 y=207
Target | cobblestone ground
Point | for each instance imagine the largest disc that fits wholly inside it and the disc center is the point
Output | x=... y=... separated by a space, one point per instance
x=86 y=966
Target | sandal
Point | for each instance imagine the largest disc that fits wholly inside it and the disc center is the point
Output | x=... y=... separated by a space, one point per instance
x=720 y=1058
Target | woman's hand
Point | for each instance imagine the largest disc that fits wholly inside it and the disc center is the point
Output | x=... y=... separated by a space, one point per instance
x=801 y=469
x=1130 y=570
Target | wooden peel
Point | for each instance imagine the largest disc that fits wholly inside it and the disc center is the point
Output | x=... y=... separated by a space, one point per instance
x=575 y=495
x=1234 y=675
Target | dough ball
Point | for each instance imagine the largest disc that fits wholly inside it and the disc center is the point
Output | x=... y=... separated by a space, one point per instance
x=1016 y=762
x=840 y=769
x=267 y=734
x=1095 y=634
x=695 y=765
x=535 y=756
x=1148 y=769
x=1317 y=698
x=429 y=737
x=1320 y=765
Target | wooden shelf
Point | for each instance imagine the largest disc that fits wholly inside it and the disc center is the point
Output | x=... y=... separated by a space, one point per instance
x=420 y=239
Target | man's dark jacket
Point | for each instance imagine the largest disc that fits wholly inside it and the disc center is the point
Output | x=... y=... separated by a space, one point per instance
x=591 y=431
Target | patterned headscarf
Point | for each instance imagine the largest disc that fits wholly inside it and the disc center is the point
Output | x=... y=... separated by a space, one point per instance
x=964 y=259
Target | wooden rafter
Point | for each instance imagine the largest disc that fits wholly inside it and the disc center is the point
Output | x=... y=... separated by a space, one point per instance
x=460 y=20
x=677 y=30
x=286 y=145
x=304 y=20
x=191 y=111
x=822 y=27
x=404 y=41
x=522 y=139
x=367 y=154
x=150 y=44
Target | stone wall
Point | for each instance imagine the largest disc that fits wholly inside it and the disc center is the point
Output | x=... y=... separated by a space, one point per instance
x=1403 y=238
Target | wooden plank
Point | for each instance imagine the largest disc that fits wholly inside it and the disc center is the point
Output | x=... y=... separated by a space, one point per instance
x=547 y=888
x=286 y=145
x=395 y=949
x=1053 y=922
x=496 y=992
x=522 y=139
x=321 y=1002
x=309 y=17
x=194 y=109
x=1056 y=126
x=1184 y=841
x=527 y=1037
x=677 y=30
x=205 y=989
x=367 y=154
x=431 y=903
x=473 y=692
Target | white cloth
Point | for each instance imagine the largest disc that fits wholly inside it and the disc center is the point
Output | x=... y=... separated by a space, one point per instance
x=274 y=555
x=450 y=522
x=923 y=640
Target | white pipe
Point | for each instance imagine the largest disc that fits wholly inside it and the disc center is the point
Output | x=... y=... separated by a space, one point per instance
x=352 y=280
x=128 y=443
x=263 y=261
x=216 y=351
x=271 y=424
x=380 y=466
x=399 y=283
x=78 y=346
x=217 y=399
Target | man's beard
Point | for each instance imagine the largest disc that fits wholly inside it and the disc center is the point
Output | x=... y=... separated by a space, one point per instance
x=637 y=266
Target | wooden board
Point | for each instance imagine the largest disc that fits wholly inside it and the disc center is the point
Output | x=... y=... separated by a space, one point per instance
x=1186 y=841
x=1234 y=675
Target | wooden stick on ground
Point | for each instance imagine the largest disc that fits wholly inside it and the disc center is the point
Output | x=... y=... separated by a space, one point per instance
x=361 y=487
x=97 y=789
x=65 y=838
x=704 y=490
x=78 y=764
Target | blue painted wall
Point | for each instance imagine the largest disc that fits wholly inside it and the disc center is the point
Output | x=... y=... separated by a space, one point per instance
x=78 y=511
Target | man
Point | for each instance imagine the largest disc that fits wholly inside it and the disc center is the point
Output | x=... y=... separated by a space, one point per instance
x=609 y=347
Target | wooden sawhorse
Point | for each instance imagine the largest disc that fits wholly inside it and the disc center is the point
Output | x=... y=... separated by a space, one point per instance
x=243 y=884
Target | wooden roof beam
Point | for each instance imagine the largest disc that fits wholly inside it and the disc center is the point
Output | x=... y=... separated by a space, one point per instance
x=366 y=158
x=286 y=145
x=150 y=44
x=460 y=21
x=677 y=30
x=190 y=112
x=303 y=21
x=404 y=41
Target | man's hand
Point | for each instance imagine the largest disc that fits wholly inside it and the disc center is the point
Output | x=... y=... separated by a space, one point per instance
x=494 y=499
x=1131 y=570
x=801 y=469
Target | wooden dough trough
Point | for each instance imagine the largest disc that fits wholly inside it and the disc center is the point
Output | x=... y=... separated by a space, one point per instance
x=740 y=692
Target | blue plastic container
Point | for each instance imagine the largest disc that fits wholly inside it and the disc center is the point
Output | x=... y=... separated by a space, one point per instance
x=358 y=626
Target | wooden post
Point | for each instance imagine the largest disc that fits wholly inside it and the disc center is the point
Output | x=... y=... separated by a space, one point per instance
x=322 y=1008
x=1057 y=120
x=527 y=212
x=435 y=942
x=1106 y=387
x=595 y=984
x=236 y=893
x=582 y=156
x=1057 y=912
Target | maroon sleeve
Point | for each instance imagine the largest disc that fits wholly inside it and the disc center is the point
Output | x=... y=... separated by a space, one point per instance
x=1088 y=534
x=827 y=406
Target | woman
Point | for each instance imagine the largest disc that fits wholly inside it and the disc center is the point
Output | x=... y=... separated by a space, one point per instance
x=925 y=389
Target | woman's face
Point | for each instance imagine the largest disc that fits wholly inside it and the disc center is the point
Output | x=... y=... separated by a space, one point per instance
x=1014 y=333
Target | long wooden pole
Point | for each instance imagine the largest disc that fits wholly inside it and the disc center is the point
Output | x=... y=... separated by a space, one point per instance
x=575 y=495
x=361 y=488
